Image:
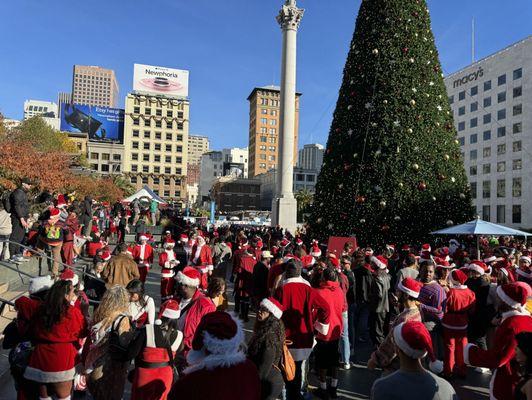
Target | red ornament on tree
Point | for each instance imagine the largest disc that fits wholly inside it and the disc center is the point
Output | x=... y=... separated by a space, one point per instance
x=405 y=50
x=421 y=186
x=360 y=199
x=385 y=228
x=441 y=177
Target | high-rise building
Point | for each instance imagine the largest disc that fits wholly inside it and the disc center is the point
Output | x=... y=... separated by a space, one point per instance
x=94 y=86
x=264 y=117
x=105 y=157
x=38 y=107
x=311 y=157
x=63 y=97
x=197 y=146
x=491 y=101
x=155 y=143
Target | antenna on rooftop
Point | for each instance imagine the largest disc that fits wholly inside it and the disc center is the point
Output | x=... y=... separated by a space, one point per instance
x=472 y=39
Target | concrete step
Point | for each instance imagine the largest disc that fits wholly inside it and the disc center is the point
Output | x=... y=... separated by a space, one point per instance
x=4 y=287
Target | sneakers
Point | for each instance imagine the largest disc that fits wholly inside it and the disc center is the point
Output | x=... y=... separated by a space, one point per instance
x=17 y=258
x=346 y=366
x=321 y=394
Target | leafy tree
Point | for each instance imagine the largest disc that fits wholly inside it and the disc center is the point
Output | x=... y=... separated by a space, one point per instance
x=392 y=169
x=304 y=200
x=43 y=137
x=124 y=184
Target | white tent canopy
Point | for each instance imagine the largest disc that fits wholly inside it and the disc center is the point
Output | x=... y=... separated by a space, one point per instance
x=144 y=192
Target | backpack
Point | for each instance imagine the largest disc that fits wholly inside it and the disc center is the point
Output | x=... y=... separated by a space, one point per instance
x=117 y=351
x=287 y=364
x=11 y=335
x=6 y=200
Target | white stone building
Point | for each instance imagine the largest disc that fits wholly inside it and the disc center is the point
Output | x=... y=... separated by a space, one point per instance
x=311 y=156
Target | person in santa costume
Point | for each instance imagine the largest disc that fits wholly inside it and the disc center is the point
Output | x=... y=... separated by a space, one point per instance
x=167 y=236
x=515 y=319
x=244 y=282
x=413 y=343
x=201 y=259
x=218 y=367
x=168 y=262
x=460 y=303
x=193 y=304
x=141 y=306
x=180 y=251
x=257 y=248
x=154 y=349
x=304 y=311
x=143 y=255
x=524 y=272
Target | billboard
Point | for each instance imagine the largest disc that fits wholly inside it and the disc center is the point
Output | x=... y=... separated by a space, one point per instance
x=232 y=168
x=100 y=123
x=160 y=80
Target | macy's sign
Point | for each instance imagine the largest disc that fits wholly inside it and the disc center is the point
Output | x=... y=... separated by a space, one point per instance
x=473 y=76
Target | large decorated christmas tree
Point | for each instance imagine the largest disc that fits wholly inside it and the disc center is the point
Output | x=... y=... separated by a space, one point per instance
x=392 y=169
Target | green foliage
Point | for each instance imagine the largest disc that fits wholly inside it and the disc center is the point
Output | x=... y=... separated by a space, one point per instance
x=124 y=184
x=304 y=200
x=392 y=169
x=43 y=137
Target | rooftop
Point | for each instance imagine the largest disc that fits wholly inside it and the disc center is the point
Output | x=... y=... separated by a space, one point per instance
x=271 y=88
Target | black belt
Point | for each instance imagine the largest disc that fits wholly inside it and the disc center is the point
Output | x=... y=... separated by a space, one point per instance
x=145 y=364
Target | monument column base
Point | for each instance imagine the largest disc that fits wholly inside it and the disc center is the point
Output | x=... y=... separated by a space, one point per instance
x=284 y=213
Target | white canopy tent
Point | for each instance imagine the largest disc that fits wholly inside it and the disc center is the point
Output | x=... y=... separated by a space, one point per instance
x=144 y=192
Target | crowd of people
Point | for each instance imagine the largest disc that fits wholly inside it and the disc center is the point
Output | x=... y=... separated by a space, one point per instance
x=428 y=311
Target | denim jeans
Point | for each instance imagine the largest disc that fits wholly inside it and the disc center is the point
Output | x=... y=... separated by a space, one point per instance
x=345 y=347
x=298 y=385
x=360 y=321
x=351 y=310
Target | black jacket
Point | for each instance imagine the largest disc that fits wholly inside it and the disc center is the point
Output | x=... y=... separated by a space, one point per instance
x=19 y=204
x=363 y=281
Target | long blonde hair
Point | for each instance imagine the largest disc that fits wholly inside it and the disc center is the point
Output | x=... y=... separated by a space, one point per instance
x=114 y=302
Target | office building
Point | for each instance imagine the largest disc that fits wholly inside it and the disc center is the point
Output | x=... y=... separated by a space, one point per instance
x=155 y=140
x=94 y=86
x=105 y=157
x=492 y=108
x=46 y=109
x=264 y=117
x=231 y=193
x=63 y=97
x=311 y=157
x=197 y=146
x=10 y=123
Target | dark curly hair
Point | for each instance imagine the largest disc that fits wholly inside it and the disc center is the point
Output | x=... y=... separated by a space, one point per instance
x=267 y=334
x=55 y=304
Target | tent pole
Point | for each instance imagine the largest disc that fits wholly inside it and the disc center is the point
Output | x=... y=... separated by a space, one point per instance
x=478 y=247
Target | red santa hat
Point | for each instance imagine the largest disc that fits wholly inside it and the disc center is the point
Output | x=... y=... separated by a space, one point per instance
x=334 y=260
x=40 y=283
x=391 y=247
x=69 y=275
x=143 y=237
x=414 y=340
x=60 y=202
x=106 y=256
x=273 y=306
x=167 y=232
x=443 y=263
x=183 y=238
x=259 y=244
x=218 y=343
x=189 y=277
x=369 y=252
x=411 y=287
x=457 y=278
x=306 y=261
x=285 y=242
x=426 y=247
x=513 y=295
x=169 y=243
x=405 y=247
x=299 y=242
x=54 y=213
x=380 y=262
x=169 y=309
x=315 y=252
x=526 y=259
x=478 y=266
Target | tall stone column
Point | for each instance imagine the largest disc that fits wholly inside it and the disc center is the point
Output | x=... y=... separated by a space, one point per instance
x=284 y=207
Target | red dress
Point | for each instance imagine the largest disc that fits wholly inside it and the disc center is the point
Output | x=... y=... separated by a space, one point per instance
x=167 y=273
x=55 y=353
x=201 y=258
x=143 y=256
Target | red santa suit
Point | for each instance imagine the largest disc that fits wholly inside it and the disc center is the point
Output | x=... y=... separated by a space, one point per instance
x=460 y=302
x=143 y=256
x=201 y=259
x=167 y=262
x=244 y=276
x=500 y=356
x=305 y=310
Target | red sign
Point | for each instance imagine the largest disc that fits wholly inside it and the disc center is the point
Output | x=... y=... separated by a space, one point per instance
x=337 y=243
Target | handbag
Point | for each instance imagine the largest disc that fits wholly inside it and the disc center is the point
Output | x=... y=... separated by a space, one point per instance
x=287 y=363
x=19 y=357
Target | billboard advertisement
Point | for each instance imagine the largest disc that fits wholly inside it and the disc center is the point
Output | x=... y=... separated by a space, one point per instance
x=232 y=168
x=100 y=123
x=160 y=80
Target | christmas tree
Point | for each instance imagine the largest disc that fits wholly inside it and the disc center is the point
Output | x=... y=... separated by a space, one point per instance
x=392 y=169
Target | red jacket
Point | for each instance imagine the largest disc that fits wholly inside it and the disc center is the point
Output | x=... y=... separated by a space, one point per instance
x=460 y=302
x=500 y=355
x=190 y=319
x=165 y=262
x=244 y=277
x=305 y=310
x=26 y=308
x=333 y=294
x=143 y=255
x=202 y=257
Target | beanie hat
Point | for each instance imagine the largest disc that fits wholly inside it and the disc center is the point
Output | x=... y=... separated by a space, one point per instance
x=69 y=275
x=380 y=261
x=411 y=287
x=189 y=277
x=299 y=242
x=40 y=283
x=478 y=266
x=273 y=306
x=414 y=340
x=334 y=260
x=169 y=309
x=513 y=295
x=457 y=278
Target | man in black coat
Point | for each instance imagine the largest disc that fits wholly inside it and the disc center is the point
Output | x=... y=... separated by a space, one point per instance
x=20 y=211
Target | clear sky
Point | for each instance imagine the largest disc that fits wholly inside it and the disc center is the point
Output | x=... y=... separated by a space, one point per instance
x=229 y=46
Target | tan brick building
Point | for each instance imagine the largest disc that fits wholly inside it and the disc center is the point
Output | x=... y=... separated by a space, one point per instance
x=264 y=142
x=94 y=86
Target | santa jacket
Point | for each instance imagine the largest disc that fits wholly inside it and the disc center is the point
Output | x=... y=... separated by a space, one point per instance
x=236 y=258
x=167 y=267
x=143 y=255
x=305 y=310
x=333 y=294
x=460 y=302
x=26 y=308
x=500 y=355
x=191 y=316
x=201 y=257
x=244 y=276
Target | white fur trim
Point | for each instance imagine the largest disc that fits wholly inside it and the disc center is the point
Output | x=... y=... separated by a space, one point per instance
x=177 y=341
x=143 y=237
x=404 y=346
x=210 y=267
x=507 y=299
x=40 y=283
x=272 y=308
x=316 y=253
x=490 y=259
x=168 y=274
x=297 y=279
x=378 y=263
x=513 y=313
x=477 y=268
x=466 y=352
x=150 y=335
x=526 y=259
x=408 y=291
x=37 y=375
x=202 y=269
x=185 y=280
x=321 y=328
x=524 y=274
x=172 y=314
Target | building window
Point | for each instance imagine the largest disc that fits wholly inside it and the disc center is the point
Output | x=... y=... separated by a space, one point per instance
x=473 y=190
x=472 y=154
x=262 y=156
x=135 y=133
x=170 y=125
x=486 y=135
x=518 y=109
x=133 y=179
x=517 y=146
x=486 y=169
x=168 y=159
x=486 y=211
x=264 y=111
x=145 y=157
x=146 y=168
x=105 y=167
x=146 y=145
x=263 y=139
x=501 y=211
x=487 y=85
x=166 y=193
x=178 y=160
x=179 y=138
x=501 y=131
x=180 y=114
x=461 y=126
x=178 y=171
x=271 y=140
x=264 y=101
x=263 y=130
x=501 y=80
x=94 y=156
x=158 y=112
x=486 y=152
x=451 y=99
x=501 y=97
x=473 y=122
x=517 y=127
x=147 y=134
x=262 y=165
x=501 y=149
x=271 y=148
x=168 y=136
x=179 y=126
x=473 y=138
x=147 y=122
x=473 y=170
x=516 y=214
x=136 y=110
x=517 y=164
x=264 y=121
x=474 y=106
x=94 y=167
x=486 y=119
x=516 y=187
x=169 y=113
x=135 y=121
x=501 y=188
x=501 y=114
x=157 y=146
x=134 y=167
x=486 y=190
x=134 y=156
x=158 y=135
x=474 y=90
x=461 y=95
x=147 y=111
x=135 y=145
x=117 y=157
x=273 y=131
x=501 y=166
x=518 y=91
x=167 y=170
x=179 y=149
x=167 y=181
x=487 y=101
x=518 y=73
x=157 y=158
x=168 y=147
x=461 y=110
x=262 y=147
x=145 y=180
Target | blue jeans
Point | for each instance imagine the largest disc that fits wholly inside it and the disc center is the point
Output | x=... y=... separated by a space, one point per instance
x=360 y=321
x=345 y=348
x=295 y=388
x=351 y=309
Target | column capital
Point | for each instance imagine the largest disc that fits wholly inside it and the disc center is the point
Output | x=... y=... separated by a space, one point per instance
x=290 y=16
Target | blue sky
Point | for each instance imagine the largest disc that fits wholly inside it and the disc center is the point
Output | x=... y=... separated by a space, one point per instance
x=229 y=46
